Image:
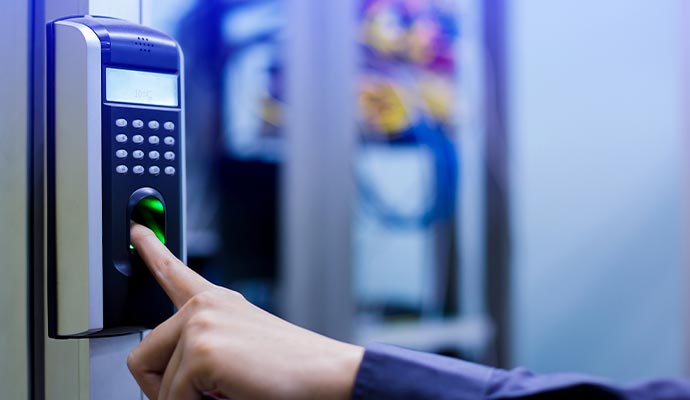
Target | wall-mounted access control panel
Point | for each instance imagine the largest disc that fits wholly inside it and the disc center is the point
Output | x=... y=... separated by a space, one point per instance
x=115 y=154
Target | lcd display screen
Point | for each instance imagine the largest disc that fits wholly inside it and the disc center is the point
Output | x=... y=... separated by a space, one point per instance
x=141 y=87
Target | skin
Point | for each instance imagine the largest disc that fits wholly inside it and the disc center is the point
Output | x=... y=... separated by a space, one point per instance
x=219 y=344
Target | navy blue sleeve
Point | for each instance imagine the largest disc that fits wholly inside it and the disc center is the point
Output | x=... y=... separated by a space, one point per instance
x=389 y=372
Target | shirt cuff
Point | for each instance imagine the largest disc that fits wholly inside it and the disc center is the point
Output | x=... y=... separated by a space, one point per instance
x=390 y=372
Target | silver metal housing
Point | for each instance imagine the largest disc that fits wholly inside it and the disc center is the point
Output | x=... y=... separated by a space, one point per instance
x=78 y=186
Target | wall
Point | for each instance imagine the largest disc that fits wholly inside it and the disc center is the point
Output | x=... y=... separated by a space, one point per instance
x=13 y=198
x=596 y=164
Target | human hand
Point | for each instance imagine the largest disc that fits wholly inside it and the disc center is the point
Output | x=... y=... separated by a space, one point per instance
x=218 y=343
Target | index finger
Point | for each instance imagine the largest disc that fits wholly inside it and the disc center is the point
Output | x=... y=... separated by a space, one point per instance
x=177 y=280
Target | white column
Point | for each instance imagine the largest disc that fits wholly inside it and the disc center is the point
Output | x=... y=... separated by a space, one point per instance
x=317 y=184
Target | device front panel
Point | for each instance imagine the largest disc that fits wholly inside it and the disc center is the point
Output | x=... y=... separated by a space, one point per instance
x=142 y=175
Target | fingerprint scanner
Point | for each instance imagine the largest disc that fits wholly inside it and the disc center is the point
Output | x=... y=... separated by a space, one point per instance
x=150 y=212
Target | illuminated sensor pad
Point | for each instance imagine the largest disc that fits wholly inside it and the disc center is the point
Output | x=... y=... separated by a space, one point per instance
x=150 y=212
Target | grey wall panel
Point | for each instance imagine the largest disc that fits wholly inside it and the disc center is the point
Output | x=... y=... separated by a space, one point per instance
x=13 y=198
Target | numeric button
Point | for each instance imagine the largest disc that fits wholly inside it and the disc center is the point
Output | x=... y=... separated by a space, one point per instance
x=138 y=169
x=154 y=125
x=169 y=170
x=121 y=169
x=154 y=155
x=138 y=139
x=169 y=126
x=154 y=139
x=169 y=155
x=121 y=153
x=169 y=140
x=120 y=122
x=121 y=138
x=137 y=123
x=154 y=170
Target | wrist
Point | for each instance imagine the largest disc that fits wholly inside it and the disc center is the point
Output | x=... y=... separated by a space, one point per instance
x=348 y=363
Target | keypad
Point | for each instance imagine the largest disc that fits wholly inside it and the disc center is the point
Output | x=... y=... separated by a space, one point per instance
x=143 y=149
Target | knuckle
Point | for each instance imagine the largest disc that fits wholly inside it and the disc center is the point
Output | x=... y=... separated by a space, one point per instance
x=236 y=295
x=204 y=299
x=201 y=354
x=200 y=322
x=167 y=263
x=231 y=295
x=201 y=348
x=133 y=362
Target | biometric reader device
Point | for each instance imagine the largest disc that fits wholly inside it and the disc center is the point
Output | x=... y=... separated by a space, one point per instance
x=115 y=153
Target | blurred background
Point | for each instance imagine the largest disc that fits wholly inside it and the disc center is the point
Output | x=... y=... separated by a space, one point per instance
x=502 y=181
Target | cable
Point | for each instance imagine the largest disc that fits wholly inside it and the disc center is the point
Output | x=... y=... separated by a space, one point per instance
x=445 y=182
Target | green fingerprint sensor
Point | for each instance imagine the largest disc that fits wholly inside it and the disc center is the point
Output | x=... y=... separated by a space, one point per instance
x=150 y=212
